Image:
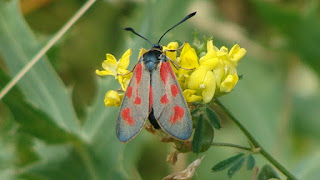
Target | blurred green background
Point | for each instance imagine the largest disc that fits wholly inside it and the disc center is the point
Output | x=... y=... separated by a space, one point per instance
x=54 y=125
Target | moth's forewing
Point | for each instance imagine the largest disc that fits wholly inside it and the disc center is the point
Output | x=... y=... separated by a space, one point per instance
x=134 y=109
x=170 y=107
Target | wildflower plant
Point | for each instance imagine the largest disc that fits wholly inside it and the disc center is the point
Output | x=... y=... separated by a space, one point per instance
x=205 y=72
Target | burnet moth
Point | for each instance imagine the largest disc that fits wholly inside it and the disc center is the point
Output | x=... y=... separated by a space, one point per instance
x=155 y=94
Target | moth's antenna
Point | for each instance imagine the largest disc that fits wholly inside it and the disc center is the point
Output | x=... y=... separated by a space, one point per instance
x=131 y=30
x=184 y=19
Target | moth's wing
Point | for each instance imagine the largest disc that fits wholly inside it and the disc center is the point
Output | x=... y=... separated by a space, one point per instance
x=134 y=109
x=169 y=106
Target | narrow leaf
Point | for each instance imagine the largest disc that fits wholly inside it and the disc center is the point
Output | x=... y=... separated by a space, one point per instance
x=195 y=111
x=267 y=172
x=213 y=118
x=222 y=165
x=251 y=162
x=198 y=135
x=207 y=137
x=236 y=167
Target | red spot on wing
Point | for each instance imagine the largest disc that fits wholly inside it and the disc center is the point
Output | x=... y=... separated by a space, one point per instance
x=150 y=98
x=178 y=114
x=174 y=90
x=164 y=99
x=137 y=101
x=129 y=91
x=138 y=73
x=125 y=114
x=164 y=72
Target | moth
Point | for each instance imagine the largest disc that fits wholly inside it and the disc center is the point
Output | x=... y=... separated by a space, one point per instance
x=154 y=93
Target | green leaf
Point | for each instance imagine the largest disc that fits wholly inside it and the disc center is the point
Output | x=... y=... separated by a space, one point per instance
x=61 y=162
x=198 y=135
x=195 y=111
x=222 y=165
x=98 y=114
x=41 y=85
x=33 y=121
x=251 y=162
x=213 y=118
x=236 y=167
x=24 y=150
x=207 y=137
x=105 y=148
x=267 y=172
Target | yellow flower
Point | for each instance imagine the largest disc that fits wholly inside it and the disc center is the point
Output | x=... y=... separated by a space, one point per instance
x=142 y=52
x=172 y=55
x=171 y=46
x=188 y=59
x=112 y=98
x=211 y=47
x=118 y=69
x=124 y=78
x=236 y=53
x=229 y=82
x=226 y=69
x=210 y=60
x=203 y=81
x=190 y=96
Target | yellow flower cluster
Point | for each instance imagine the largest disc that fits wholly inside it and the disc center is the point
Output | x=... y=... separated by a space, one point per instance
x=200 y=77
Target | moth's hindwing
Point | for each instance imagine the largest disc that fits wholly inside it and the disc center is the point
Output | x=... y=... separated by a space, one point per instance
x=170 y=107
x=134 y=109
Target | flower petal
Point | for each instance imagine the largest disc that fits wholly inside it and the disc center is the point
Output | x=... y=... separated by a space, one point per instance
x=125 y=60
x=197 y=78
x=110 y=64
x=236 y=53
x=209 y=61
x=228 y=84
x=124 y=79
x=211 y=47
x=171 y=46
x=142 y=52
x=112 y=98
x=103 y=73
x=219 y=72
x=172 y=55
x=190 y=97
x=210 y=87
x=188 y=57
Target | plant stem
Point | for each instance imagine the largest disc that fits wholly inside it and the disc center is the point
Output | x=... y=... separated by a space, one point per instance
x=256 y=144
x=45 y=48
x=232 y=145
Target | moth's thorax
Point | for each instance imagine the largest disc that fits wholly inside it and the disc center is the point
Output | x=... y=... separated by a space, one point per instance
x=152 y=58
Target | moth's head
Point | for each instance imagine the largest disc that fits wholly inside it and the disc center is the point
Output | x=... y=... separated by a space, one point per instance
x=157 y=47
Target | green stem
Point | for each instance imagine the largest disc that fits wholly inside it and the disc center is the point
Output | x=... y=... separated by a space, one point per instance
x=232 y=145
x=256 y=144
